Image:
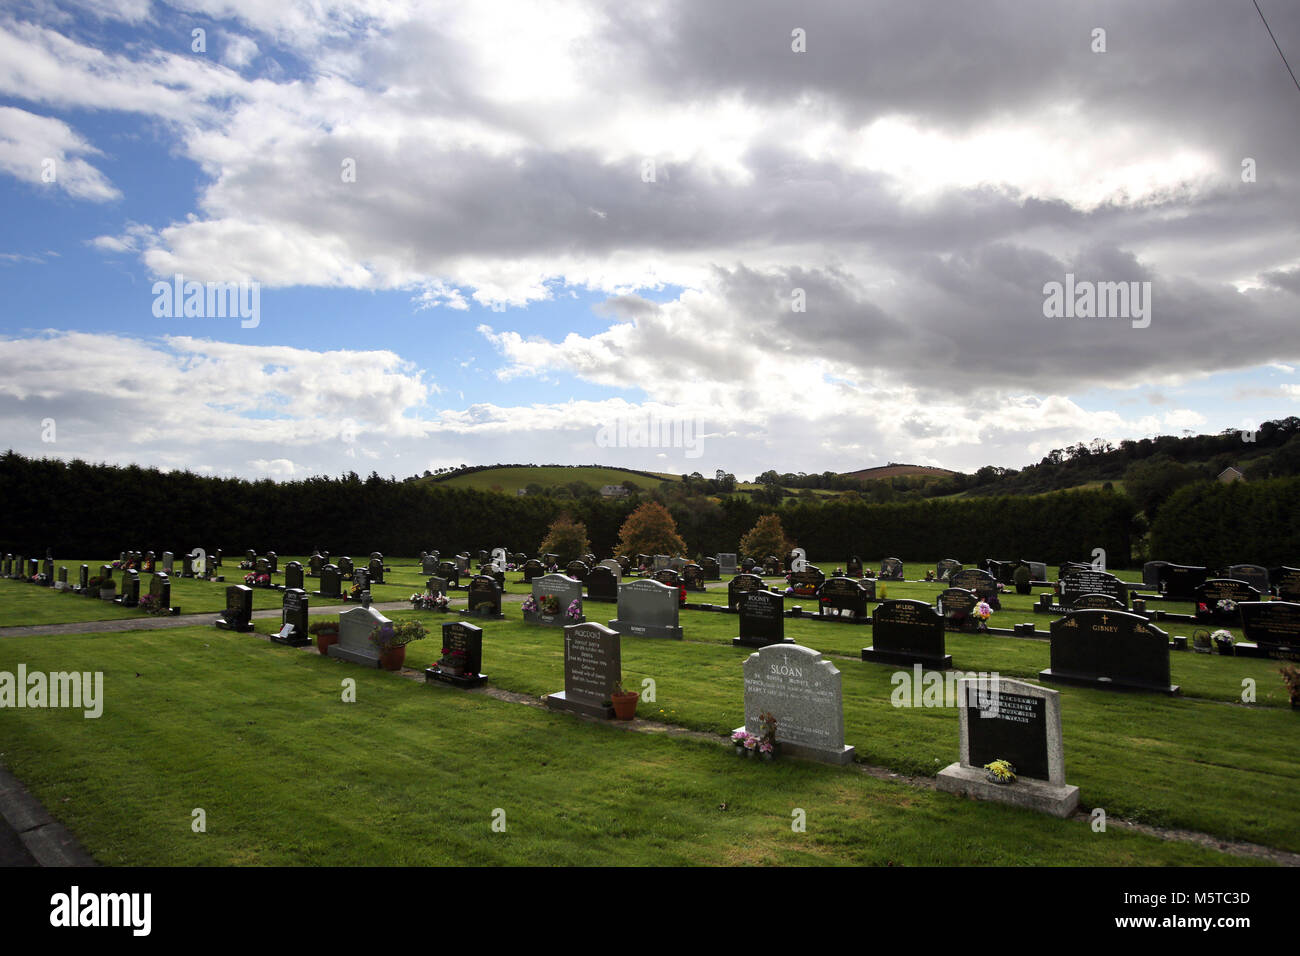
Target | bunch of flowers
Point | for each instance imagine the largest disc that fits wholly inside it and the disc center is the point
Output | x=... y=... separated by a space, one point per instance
x=1227 y=605
x=117 y=565
x=38 y=579
x=1223 y=640
x=767 y=738
x=1001 y=771
x=257 y=580
x=149 y=604
x=1291 y=678
x=745 y=741
x=549 y=604
x=429 y=602
x=574 y=612
x=246 y=565
x=982 y=610
x=530 y=604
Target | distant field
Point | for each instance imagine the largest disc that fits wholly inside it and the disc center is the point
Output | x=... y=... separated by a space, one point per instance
x=899 y=471
x=511 y=480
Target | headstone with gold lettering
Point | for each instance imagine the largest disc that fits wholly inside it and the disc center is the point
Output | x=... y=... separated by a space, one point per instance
x=1114 y=650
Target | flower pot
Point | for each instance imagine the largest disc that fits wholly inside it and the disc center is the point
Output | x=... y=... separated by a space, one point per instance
x=393 y=658
x=323 y=641
x=625 y=704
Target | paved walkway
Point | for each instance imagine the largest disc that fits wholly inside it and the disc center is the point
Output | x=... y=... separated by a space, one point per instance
x=191 y=620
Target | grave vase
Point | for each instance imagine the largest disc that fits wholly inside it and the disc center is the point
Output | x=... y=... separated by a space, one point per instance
x=393 y=658
x=324 y=639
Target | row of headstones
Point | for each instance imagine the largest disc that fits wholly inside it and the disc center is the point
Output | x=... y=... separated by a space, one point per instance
x=129 y=594
x=1180 y=581
x=27 y=569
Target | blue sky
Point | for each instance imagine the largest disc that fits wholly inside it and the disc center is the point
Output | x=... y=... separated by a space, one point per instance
x=502 y=277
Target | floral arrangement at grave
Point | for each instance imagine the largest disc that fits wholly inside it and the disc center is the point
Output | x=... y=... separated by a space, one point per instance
x=547 y=604
x=929 y=575
x=767 y=735
x=257 y=580
x=574 y=612
x=837 y=573
x=149 y=604
x=1223 y=640
x=353 y=593
x=529 y=605
x=980 y=615
x=92 y=584
x=429 y=602
x=1291 y=678
x=246 y=565
x=38 y=579
x=746 y=743
x=390 y=635
x=1000 y=771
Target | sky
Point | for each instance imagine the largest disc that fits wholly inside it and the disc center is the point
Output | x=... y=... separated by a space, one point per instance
x=667 y=235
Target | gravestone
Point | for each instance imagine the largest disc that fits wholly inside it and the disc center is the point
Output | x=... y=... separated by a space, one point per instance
x=293 y=577
x=331 y=582
x=973 y=579
x=772 y=566
x=842 y=594
x=47 y=568
x=762 y=619
x=533 y=569
x=62 y=583
x=238 y=615
x=602 y=585
x=1097 y=602
x=263 y=567
x=677 y=564
x=1217 y=600
x=484 y=598
x=946 y=566
x=712 y=570
x=83 y=579
x=647 y=608
x=429 y=564
x=807 y=582
x=293 y=617
x=1253 y=574
x=1037 y=569
x=210 y=567
x=739 y=585
x=436 y=585
x=577 y=570
x=693 y=578
x=273 y=562
x=614 y=567
x=1003 y=571
x=354 y=642
x=168 y=563
x=668 y=576
x=462 y=656
x=160 y=588
x=593 y=665
x=314 y=564
x=891 y=569
x=1179 y=582
x=854 y=567
x=376 y=572
x=450 y=572
x=1020 y=723
x=554 y=593
x=129 y=594
x=1272 y=629
x=727 y=564
x=1075 y=583
x=346 y=568
x=747 y=565
x=461 y=561
x=907 y=632
x=1152 y=572
x=661 y=562
x=1286 y=583
x=1114 y=650
x=801 y=689
x=955 y=604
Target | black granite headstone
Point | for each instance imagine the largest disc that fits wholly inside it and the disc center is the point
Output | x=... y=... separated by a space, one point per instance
x=1109 y=649
x=907 y=632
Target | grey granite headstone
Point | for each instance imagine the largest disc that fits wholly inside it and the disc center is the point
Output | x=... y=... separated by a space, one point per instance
x=592 y=666
x=354 y=644
x=559 y=590
x=801 y=689
x=647 y=608
x=1010 y=720
x=727 y=564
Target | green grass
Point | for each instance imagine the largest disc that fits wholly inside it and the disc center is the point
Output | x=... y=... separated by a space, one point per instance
x=257 y=732
x=511 y=480
x=259 y=738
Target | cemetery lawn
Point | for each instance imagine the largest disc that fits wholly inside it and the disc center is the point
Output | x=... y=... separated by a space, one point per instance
x=257 y=737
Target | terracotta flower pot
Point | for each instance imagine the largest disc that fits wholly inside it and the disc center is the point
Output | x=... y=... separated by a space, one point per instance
x=323 y=641
x=625 y=704
x=393 y=658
